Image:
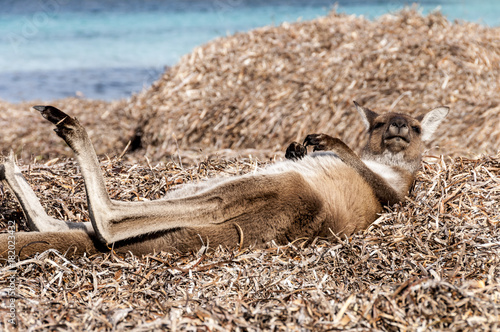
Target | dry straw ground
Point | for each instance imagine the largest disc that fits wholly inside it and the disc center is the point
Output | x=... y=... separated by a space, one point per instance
x=432 y=263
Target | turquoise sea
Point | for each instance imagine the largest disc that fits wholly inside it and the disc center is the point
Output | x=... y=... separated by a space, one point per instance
x=109 y=49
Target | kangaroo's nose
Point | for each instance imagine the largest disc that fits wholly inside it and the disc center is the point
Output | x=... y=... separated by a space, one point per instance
x=399 y=126
x=399 y=123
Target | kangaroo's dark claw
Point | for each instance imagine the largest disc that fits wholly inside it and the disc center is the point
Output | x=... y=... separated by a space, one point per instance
x=295 y=151
x=52 y=114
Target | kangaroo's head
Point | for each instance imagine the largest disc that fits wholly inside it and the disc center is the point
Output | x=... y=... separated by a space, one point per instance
x=398 y=139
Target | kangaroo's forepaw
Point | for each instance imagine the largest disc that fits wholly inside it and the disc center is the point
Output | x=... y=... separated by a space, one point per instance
x=321 y=142
x=295 y=151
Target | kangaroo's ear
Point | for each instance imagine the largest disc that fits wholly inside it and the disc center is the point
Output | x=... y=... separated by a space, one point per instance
x=366 y=114
x=430 y=121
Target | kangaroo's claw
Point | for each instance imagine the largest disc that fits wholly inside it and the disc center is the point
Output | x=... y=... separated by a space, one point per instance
x=295 y=151
x=52 y=114
x=67 y=127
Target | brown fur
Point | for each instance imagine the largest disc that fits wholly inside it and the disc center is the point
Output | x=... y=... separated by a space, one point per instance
x=319 y=195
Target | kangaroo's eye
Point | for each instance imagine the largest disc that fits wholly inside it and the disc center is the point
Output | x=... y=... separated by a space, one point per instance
x=378 y=125
x=416 y=129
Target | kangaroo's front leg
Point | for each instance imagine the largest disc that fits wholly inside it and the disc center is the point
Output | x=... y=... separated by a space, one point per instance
x=37 y=218
x=321 y=142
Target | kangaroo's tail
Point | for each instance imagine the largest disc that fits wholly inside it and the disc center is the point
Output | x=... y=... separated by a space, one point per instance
x=26 y=244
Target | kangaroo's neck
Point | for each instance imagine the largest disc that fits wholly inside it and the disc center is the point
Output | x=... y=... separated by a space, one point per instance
x=395 y=160
x=397 y=178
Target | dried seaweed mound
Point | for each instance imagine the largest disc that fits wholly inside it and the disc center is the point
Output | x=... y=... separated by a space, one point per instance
x=24 y=131
x=264 y=88
x=432 y=263
x=267 y=87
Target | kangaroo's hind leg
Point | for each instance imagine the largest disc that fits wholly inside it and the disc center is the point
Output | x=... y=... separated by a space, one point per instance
x=115 y=221
x=37 y=218
x=261 y=204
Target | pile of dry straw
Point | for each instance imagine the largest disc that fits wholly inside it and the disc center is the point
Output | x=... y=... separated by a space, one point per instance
x=431 y=263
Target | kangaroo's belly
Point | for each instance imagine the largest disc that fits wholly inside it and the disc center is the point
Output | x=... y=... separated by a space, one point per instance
x=349 y=202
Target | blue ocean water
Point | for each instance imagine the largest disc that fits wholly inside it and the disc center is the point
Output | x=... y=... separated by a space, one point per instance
x=109 y=49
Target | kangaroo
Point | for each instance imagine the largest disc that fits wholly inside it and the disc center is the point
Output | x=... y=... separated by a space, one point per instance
x=330 y=192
